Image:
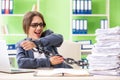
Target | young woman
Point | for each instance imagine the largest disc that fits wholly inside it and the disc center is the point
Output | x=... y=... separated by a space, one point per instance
x=39 y=48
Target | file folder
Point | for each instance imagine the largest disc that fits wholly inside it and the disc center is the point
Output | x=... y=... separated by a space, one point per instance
x=3 y=6
x=89 y=6
x=77 y=26
x=74 y=6
x=11 y=7
x=73 y=26
x=7 y=6
x=78 y=7
x=81 y=26
x=81 y=6
x=85 y=27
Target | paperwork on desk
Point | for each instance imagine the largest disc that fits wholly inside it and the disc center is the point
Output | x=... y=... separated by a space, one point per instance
x=61 y=72
x=105 y=57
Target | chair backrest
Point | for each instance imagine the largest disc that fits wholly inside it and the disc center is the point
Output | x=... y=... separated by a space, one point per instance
x=70 y=49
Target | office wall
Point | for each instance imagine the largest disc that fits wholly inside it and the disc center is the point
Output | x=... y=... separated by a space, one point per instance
x=57 y=14
x=114 y=13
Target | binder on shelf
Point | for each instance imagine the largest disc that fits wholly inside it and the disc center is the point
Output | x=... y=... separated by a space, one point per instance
x=85 y=7
x=85 y=42
x=81 y=26
x=74 y=6
x=78 y=6
x=103 y=24
x=85 y=27
x=73 y=26
x=2 y=6
x=81 y=6
x=89 y=5
x=106 y=23
x=86 y=46
x=11 y=7
x=77 y=26
x=11 y=46
x=7 y=8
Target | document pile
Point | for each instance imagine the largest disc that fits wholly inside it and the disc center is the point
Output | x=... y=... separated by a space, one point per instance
x=105 y=57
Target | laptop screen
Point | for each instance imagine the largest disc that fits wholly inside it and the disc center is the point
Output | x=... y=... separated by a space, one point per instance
x=4 y=58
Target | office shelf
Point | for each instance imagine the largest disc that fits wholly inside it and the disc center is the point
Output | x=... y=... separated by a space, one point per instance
x=13 y=22
x=94 y=16
x=93 y=21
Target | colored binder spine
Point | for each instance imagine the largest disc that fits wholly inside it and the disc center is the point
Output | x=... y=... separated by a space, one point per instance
x=77 y=26
x=73 y=26
x=102 y=24
x=2 y=6
x=7 y=7
x=106 y=23
x=78 y=6
x=81 y=7
x=89 y=3
x=74 y=9
x=11 y=6
x=85 y=27
x=81 y=26
x=85 y=7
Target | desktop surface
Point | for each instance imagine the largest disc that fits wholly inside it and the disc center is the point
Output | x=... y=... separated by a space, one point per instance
x=29 y=76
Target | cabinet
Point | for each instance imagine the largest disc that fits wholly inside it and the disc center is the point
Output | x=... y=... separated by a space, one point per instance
x=100 y=11
x=13 y=22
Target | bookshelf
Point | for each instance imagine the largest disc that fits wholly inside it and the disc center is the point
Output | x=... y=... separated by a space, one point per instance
x=100 y=10
x=14 y=21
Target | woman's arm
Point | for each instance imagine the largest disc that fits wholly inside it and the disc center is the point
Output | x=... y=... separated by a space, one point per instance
x=49 y=39
x=25 y=59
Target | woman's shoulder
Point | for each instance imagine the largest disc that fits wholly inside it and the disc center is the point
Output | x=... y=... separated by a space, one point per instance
x=18 y=43
x=47 y=32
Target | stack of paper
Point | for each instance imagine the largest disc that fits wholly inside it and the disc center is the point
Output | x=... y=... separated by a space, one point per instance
x=105 y=57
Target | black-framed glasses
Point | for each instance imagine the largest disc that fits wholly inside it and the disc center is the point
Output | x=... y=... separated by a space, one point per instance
x=35 y=25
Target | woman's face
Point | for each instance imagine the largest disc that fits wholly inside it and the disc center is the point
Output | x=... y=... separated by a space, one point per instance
x=36 y=28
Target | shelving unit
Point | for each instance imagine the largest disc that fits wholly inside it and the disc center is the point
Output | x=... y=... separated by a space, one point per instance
x=106 y=14
x=92 y=20
x=14 y=21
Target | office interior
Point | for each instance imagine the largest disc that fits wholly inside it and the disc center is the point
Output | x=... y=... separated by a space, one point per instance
x=57 y=14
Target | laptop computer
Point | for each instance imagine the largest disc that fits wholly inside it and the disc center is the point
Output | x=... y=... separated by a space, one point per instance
x=5 y=65
x=70 y=49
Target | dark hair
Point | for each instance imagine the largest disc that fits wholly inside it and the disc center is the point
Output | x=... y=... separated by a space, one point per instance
x=27 y=19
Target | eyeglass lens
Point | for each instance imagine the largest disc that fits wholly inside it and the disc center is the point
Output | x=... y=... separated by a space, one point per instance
x=34 y=25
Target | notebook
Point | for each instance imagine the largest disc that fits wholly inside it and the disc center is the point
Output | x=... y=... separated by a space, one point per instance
x=62 y=72
x=70 y=49
x=5 y=62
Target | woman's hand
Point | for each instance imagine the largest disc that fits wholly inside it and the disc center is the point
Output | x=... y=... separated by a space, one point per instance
x=56 y=60
x=27 y=45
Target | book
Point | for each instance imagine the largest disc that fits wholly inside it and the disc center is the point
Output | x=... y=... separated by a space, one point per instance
x=59 y=72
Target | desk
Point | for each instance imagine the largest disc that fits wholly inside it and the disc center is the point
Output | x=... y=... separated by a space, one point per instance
x=29 y=76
